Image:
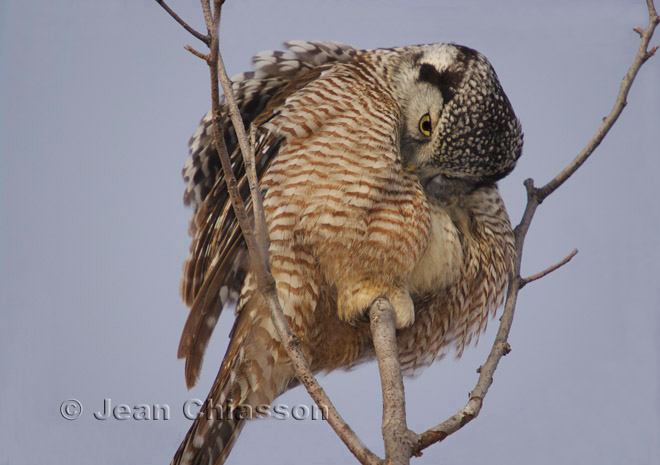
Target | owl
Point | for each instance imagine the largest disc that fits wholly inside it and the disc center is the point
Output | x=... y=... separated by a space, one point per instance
x=378 y=171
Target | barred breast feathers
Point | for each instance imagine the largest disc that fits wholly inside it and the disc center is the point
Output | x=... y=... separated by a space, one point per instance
x=356 y=208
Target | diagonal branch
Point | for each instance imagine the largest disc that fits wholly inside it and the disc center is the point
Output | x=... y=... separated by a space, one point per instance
x=247 y=151
x=265 y=280
x=548 y=270
x=534 y=198
x=204 y=56
x=204 y=38
x=642 y=55
x=471 y=410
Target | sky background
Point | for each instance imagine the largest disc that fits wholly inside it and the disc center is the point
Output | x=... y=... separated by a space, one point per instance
x=97 y=102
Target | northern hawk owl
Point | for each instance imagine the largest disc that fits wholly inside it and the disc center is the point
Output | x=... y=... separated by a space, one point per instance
x=378 y=170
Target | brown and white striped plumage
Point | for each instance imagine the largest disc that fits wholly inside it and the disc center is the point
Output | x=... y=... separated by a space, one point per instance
x=378 y=169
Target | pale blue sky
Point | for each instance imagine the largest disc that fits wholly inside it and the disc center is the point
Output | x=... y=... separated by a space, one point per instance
x=97 y=102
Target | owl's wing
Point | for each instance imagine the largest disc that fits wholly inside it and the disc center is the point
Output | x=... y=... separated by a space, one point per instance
x=273 y=70
x=217 y=262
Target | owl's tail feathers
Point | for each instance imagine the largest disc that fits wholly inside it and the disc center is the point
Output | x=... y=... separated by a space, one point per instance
x=254 y=372
x=211 y=446
x=207 y=300
x=219 y=422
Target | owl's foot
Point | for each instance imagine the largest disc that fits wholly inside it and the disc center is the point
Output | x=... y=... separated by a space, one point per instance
x=353 y=304
x=403 y=307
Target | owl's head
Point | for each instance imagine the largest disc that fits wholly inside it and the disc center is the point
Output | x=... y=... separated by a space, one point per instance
x=458 y=123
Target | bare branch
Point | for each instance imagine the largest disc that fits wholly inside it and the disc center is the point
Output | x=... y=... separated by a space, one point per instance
x=398 y=438
x=204 y=38
x=260 y=225
x=201 y=55
x=307 y=379
x=534 y=198
x=208 y=15
x=473 y=407
x=247 y=151
x=230 y=179
x=621 y=100
x=265 y=280
x=548 y=270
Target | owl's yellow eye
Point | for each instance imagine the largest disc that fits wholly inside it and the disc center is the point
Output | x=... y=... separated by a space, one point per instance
x=425 y=125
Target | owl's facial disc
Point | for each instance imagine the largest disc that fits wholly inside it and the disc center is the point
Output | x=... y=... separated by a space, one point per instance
x=472 y=132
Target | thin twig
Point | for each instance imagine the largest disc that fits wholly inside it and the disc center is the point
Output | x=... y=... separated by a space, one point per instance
x=398 y=438
x=204 y=56
x=247 y=151
x=208 y=15
x=260 y=225
x=621 y=100
x=204 y=38
x=534 y=198
x=548 y=270
x=230 y=179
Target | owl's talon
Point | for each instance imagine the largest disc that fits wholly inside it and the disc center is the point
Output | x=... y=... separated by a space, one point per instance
x=363 y=317
x=403 y=307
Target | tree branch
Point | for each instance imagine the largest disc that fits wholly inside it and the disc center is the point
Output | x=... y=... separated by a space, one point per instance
x=208 y=15
x=547 y=271
x=398 y=438
x=204 y=38
x=247 y=151
x=534 y=198
x=258 y=260
x=642 y=55
x=473 y=407
x=204 y=56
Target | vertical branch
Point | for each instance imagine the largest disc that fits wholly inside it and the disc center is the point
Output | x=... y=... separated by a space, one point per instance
x=208 y=16
x=260 y=225
x=396 y=434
